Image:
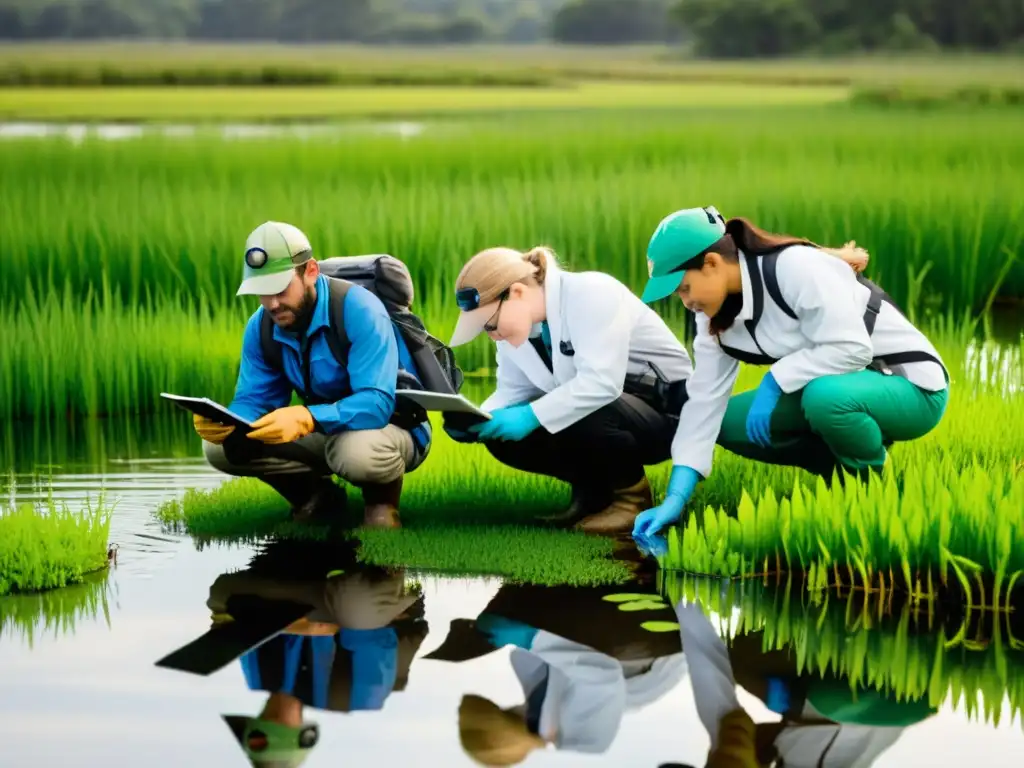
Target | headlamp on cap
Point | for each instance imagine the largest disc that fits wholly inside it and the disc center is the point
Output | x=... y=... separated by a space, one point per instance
x=256 y=257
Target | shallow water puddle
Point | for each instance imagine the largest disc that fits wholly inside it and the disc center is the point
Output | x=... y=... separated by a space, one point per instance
x=393 y=666
x=78 y=132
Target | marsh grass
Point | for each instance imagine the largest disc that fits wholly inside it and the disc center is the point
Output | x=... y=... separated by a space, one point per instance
x=50 y=546
x=518 y=554
x=909 y=652
x=55 y=613
x=932 y=197
x=951 y=500
x=171 y=63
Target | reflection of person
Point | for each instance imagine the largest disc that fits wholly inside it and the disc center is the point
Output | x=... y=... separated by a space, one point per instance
x=824 y=723
x=589 y=380
x=348 y=425
x=278 y=738
x=582 y=664
x=849 y=373
x=350 y=652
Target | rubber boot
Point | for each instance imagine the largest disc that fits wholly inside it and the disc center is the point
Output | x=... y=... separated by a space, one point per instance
x=381 y=502
x=621 y=513
x=306 y=491
x=583 y=502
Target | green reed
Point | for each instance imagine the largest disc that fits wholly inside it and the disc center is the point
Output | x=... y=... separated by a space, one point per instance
x=50 y=546
x=912 y=654
x=168 y=217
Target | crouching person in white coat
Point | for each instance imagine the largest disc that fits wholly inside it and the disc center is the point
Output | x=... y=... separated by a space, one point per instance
x=849 y=375
x=590 y=381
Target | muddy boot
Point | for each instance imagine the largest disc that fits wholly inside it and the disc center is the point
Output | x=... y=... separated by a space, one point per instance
x=620 y=514
x=381 y=502
x=583 y=502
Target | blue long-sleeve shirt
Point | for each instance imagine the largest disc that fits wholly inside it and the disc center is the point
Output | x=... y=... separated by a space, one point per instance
x=361 y=395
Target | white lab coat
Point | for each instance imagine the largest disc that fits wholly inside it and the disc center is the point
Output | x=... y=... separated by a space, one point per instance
x=588 y=691
x=610 y=331
x=801 y=745
x=829 y=338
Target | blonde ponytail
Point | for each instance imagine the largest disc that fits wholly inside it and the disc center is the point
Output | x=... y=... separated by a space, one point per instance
x=539 y=257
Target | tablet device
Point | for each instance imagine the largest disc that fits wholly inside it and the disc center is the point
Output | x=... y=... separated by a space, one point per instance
x=210 y=409
x=436 y=401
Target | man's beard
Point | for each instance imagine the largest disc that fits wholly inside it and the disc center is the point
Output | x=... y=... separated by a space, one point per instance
x=302 y=314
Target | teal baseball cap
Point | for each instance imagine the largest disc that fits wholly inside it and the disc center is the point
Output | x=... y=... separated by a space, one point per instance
x=272 y=251
x=679 y=237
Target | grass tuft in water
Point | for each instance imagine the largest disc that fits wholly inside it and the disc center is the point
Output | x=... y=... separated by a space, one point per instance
x=518 y=554
x=50 y=547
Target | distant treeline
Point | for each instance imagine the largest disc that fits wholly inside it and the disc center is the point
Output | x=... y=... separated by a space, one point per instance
x=715 y=28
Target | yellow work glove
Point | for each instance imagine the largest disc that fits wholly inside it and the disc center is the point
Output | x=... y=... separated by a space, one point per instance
x=210 y=430
x=736 y=746
x=283 y=425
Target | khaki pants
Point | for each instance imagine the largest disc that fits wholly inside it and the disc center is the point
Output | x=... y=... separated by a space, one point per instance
x=362 y=457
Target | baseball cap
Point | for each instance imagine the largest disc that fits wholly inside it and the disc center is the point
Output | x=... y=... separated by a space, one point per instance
x=272 y=250
x=270 y=744
x=679 y=237
x=479 y=287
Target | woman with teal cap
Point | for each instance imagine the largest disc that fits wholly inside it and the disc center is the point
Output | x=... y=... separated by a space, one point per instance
x=849 y=373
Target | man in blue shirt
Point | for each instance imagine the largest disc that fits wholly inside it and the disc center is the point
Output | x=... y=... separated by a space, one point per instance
x=345 y=428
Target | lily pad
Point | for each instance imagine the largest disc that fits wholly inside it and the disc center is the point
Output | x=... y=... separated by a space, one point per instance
x=643 y=605
x=625 y=597
x=660 y=626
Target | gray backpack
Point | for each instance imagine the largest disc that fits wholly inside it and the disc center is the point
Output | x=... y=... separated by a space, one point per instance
x=387 y=278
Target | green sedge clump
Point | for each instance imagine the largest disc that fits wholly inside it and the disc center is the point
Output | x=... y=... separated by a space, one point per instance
x=50 y=546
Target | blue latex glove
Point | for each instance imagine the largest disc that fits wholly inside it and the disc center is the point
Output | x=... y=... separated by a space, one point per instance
x=512 y=423
x=501 y=631
x=680 y=486
x=652 y=546
x=759 y=418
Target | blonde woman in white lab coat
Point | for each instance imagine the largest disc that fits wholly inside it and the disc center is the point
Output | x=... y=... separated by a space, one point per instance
x=590 y=380
x=849 y=373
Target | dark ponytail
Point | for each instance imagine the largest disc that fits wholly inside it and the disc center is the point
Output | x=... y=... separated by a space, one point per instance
x=740 y=235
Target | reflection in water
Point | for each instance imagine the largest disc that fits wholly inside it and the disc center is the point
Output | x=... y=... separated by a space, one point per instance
x=583 y=656
x=842 y=679
x=55 y=612
x=79 y=132
x=846 y=676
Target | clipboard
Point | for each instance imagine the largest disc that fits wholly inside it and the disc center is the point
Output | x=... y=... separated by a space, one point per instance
x=211 y=409
x=437 y=401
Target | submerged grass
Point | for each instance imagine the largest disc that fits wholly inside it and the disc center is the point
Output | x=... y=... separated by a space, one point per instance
x=933 y=197
x=55 y=612
x=912 y=654
x=50 y=547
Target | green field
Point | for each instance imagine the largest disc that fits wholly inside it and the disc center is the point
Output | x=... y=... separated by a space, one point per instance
x=154 y=62
x=133 y=246
x=121 y=259
x=296 y=103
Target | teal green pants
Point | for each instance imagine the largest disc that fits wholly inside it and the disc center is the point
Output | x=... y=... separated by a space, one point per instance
x=845 y=421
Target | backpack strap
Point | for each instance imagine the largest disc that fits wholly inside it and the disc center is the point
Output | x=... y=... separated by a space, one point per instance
x=756 y=289
x=270 y=348
x=337 y=337
x=769 y=263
